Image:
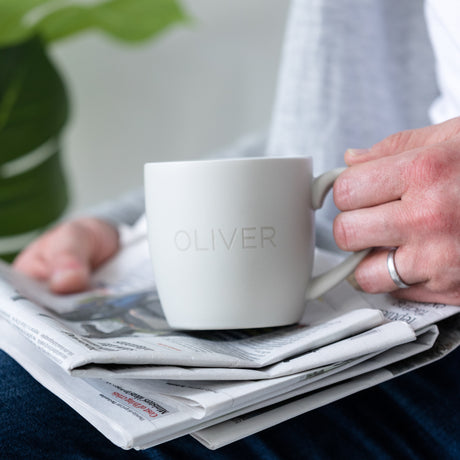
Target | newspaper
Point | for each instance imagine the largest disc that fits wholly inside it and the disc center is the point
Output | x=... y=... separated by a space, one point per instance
x=135 y=420
x=384 y=367
x=78 y=339
x=110 y=354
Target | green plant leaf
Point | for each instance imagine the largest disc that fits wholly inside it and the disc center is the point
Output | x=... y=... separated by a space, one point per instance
x=33 y=111
x=13 y=25
x=137 y=20
x=127 y=20
x=33 y=99
x=34 y=199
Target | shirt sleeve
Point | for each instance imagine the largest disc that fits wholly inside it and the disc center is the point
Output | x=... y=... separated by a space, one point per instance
x=442 y=18
x=123 y=210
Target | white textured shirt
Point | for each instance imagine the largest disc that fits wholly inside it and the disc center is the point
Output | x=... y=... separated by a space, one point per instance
x=353 y=72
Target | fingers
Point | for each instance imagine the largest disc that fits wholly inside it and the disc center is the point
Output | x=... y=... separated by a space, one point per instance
x=384 y=225
x=374 y=182
x=66 y=255
x=61 y=257
x=403 y=192
x=373 y=276
x=63 y=275
x=390 y=146
x=70 y=269
x=421 y=293
x=404 y=141
x=30 y=263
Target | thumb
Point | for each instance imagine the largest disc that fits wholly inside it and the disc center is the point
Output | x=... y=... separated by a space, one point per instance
x=405 y=140
x=66 y=255
x=75 y=250
x=69 y=272
x=60 y=256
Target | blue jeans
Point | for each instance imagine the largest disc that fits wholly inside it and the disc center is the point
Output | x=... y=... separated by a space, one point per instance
x=414 y=416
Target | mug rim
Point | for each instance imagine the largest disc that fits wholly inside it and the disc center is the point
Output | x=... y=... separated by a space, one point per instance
x=206 y=161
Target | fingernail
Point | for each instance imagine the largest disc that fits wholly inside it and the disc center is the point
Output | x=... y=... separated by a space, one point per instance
x=358 y=152
x=68 y=279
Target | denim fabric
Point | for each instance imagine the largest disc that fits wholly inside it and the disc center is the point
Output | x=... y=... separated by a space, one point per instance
x=415 y=416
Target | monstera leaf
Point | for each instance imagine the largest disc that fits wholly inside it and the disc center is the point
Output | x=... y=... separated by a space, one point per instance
x=34 y=104
x=128 y=20
x=33 y=111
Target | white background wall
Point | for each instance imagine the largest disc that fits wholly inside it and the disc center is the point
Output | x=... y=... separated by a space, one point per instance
x=191 y=91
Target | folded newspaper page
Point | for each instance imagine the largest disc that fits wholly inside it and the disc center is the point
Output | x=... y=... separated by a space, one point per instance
x=210 y=398
x=110 y=354
x=373 y=340
x=138 y=420
x=377 y=370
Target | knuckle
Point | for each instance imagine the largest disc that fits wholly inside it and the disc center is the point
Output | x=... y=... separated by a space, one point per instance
x=451 y=127
x=432 y=217
x=429 y=166
x=446 y=275
x=441 y=267
x=433 y=203
x=428 y=218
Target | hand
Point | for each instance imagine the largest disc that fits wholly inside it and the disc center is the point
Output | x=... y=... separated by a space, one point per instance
x=404 y=192
x=65 y=255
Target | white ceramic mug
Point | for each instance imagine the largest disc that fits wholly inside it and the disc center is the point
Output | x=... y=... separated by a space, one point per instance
x=232 y=241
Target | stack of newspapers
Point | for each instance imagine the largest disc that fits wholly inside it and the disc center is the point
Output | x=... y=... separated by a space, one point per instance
x=110 y=354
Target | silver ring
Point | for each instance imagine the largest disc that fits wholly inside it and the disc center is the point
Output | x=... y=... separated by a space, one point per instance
x=393 y=272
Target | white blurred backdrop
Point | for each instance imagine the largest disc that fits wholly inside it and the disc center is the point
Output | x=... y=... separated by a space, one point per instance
x=191 y=91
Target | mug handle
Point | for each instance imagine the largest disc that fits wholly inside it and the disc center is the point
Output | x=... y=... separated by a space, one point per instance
x=322 y=283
